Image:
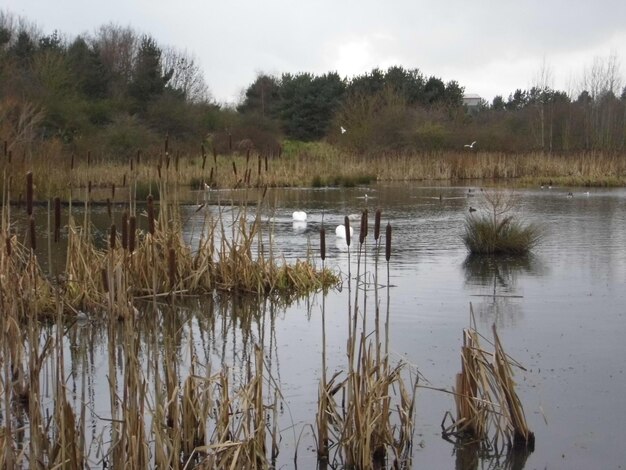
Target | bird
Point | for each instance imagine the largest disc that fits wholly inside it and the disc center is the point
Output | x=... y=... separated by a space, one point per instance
x=570 y=194
x=343 y=130
x=471 y=209
x=299 y=216
x=340 y=231
x=587 y=193
x=470 y=146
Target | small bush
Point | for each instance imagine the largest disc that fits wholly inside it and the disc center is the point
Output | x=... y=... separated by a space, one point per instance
x=507 y=236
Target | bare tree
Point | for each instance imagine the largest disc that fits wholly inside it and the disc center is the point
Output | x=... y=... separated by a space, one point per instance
x=187 y=75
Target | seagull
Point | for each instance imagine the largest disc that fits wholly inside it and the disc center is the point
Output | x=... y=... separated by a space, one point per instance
x=470 y=146
x=343 y=131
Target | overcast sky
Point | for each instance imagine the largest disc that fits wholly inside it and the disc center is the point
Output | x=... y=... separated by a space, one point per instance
x=489 y=47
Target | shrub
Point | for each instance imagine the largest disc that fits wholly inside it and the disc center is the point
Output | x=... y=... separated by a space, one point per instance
x=496 y=231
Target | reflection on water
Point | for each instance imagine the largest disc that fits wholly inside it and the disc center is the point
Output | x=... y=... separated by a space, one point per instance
x=559 y=312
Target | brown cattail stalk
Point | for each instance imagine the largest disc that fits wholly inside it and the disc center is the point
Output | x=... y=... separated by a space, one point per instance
x=109 y=212
x=132 y=230
x=113 y=191
x=176 y=162
x=89 y=187
x=159 y=170
x=112 y=237
x=125 y=230
x=57 y=219
x=124 y=181
x=235 y=169
x=214 y=156
x=167 y=143
x=8 y=241
x=211 y=176
x=388 y=242
x=150 y=210
x=258 y=169
x=265 y=163
x=377 y=224
x=29 y=193
x=346 y=223
x=72 y=163
x=130 y=161
x=203 y=156
x=88 y=158
x=138 y=157
x=323 y=243
x=33 y=234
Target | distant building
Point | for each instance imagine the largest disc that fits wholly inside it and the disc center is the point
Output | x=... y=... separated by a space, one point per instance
x=472 y=100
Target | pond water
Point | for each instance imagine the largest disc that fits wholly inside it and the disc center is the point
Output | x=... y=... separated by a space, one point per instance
x=560 y=312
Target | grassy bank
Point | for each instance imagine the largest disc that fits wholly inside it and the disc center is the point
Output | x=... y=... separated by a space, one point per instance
x=302 y=165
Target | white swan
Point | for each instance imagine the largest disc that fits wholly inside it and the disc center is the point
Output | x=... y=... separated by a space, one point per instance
x=340 y=231
x=299 y=216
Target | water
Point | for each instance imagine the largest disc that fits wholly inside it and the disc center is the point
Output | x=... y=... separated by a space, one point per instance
x=560 y=312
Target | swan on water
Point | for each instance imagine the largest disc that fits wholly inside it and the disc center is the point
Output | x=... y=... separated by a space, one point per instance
x=299 y=216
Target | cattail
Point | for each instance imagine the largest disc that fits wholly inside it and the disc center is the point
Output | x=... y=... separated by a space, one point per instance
x=132 y=229
x=280 y=151
x=176 y=161
x=8 y=240
x=109 y=208
x=138 y=157
x=105 y=280
x=377 y=224
x=235 y=168
x=211 y=176
x=247 y=156
x=112 y=191
x=203 y=156
x=159 y=170
x=363 y=230
x=172 y=267
x=88 y=158
x=258 y=169
x=124 y=181
x=33 y=235
x=167 y=163
x=323 y=243
x=388 y=242
x=167 y=143
x=57 y=219
x=346 y=223
x=265 y=163
x=29 y=193
x=150 y=210
x=72 y=163
x=125 y=230
x=214 y=156
x=130 y=160
x=112 y=237
x=89 y=187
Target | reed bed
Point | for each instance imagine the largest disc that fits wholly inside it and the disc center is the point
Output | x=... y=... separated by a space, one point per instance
x=366 y=418
x=488 y=410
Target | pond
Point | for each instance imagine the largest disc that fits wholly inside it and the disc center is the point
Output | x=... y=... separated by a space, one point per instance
x=560 y=313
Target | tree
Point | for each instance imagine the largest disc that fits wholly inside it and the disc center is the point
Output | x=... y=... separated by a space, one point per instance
x=262 y=97
x=148 y=79
x=498 y=103
x=187 y=79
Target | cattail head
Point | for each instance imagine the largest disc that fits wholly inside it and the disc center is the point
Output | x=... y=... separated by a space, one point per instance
x=57 y=219
x=72 y=162
x=258 y=169
x=88 y=158
x=132 y=231
x=150 y=210
x=203 y=156
x=234 y=168
x=33 y=234
x=214 y=156
x=113 y=191
x=388 y=242
x=167 y=143
x=265 y=163
x=138 y=157
x=109 y=208
x=130 y=161
x=112 y=236
x=363 y=229
x=8 y=243
x=89 y=187
x=377 y=224
x=323 y=243
x=211 y=175
x=29 y=193
x=125 y=230
x=159 y=169
x=346 y=223
x=124 y=181
x=105 y=280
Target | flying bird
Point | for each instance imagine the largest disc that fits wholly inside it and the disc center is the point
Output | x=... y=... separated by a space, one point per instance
x=470 y=146
x=343 y=131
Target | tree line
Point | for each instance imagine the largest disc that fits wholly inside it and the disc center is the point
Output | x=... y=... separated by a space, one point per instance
x=116 y=91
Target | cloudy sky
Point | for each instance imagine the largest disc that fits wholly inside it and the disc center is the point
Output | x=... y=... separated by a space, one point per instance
x=489 y=47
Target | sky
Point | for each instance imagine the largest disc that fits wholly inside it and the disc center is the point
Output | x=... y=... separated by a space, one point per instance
x=489 y=47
